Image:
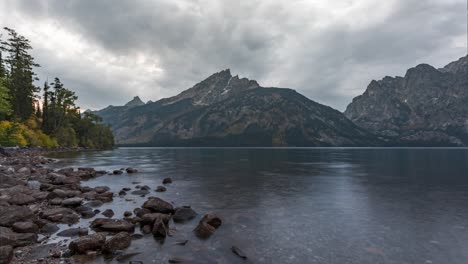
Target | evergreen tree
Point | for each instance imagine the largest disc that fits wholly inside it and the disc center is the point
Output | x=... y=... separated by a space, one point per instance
x=19 y=64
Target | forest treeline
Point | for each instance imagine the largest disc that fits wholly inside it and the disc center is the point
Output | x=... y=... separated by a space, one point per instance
x=44 y=116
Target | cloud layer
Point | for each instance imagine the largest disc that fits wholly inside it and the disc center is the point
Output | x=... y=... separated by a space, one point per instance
x=108 y=51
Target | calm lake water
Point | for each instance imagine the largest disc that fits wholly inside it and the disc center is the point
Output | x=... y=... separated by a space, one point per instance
x=301 y=205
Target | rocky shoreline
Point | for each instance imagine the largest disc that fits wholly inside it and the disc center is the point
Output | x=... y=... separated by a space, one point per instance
x=35 y=200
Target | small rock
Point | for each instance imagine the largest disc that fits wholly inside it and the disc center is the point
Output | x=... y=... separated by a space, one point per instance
x=167 y=180
x=117 y=172
x=25 y=227
x=131 y=170
x=127 y=213
x=238 y=252
x=56 y=201
x=161 y=189
x=126 y=189
x=140 y=192
x=145 y=187
x=49 y=228
x=112 y=225
x=181 y=242
x=72 y=232
x=108 y=213
x=207 y=226
x=120 y=241
x=72 y=202
x=183 y=214
x=122 y=193
x=87 y=243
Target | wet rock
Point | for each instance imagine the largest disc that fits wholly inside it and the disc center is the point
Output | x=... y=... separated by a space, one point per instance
x=183 y=214
x=149 y=219
x=158 y=205
x=181 y=242
x=55 y=253
x=238 y=252
x=65 y=171
x=12 y=214
x=146 y=229
x=6 y=254
x=120 y=241
x=108 y=213
x=131 y=170
x=105 y=197
x=101 y=189
x=95 y=203
x=117 y=172
x=122 y=193
x=85 y=189
x=87 y=243
x=141 y=211
x=127 y=213
x=56 y=201
x=207 y=226
x=140 y=192
x=72 y=232
x=49 y=228
x=21 y=199
x=126 y=189
x=212 y=219
x=10 y=238
x=72 y=202
x=25 y=227
x=167 y=180
x=145 y=188
x=160 y=229
x=161 y=189
x=87 y=214
x=112 y=225
x=61 y=215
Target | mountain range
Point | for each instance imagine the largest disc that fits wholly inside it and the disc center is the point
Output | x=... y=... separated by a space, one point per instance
x=426 y=107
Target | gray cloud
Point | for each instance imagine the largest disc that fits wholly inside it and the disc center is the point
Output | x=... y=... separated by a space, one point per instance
x=109 y=50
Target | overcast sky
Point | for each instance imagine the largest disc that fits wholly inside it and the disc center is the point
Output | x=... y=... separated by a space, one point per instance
x=110 y=50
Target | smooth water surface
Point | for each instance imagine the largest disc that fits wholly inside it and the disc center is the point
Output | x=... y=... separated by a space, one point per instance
x=301 y=205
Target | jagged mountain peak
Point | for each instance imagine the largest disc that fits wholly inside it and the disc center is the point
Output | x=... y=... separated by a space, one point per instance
x=457 y=66
x=215 y=88
x=136 y=101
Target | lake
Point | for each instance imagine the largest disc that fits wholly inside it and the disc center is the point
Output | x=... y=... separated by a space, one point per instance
x=300 y=205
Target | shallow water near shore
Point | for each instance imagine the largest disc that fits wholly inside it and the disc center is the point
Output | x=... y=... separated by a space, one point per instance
x=299 y=205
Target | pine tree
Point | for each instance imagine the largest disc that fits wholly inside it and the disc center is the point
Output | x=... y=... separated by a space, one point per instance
x=20 y=64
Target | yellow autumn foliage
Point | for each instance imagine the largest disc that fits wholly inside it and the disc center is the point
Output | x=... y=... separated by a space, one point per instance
x=16 y=134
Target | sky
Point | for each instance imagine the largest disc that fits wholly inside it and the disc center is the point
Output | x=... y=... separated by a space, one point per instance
x=111 y=50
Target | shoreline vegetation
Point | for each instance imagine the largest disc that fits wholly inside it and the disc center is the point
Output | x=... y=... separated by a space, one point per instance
x=35 y=200
x=51 y=119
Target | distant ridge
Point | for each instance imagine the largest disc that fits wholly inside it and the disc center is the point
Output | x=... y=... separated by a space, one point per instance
x=426 y=107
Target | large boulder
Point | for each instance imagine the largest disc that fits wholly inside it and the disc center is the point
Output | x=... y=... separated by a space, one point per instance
x=120 y=241
x=207 y=225
x=112 y=225
x=84 y=244
x=158 y=205
x=12 y=214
